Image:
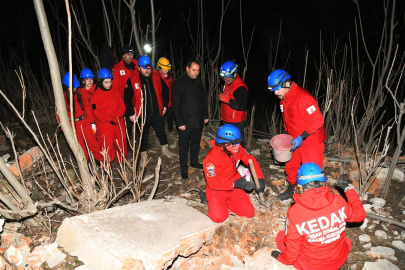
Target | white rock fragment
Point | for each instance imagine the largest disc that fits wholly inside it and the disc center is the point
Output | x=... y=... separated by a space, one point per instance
x=364 y=225
x=364 y=238
x=367 y=246
x=399 y=245
x=367 y=207
x=381 y=264
x=403 y=234
x=381 y=234
x=378 y=202
x=397 y=176
x=255 y=152
x=381 y=251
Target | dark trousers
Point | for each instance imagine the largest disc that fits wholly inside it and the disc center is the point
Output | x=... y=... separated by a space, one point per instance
x=169 y=118
x=158 y=124
x=241 y=127
x=189 y=139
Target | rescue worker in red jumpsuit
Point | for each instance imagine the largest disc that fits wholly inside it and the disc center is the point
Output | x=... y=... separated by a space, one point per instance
x=108 y=109
x=233 y=98
x=86 y=90
x=83 y=119
x=225 y=187
x=166 y=76
x=303 y=120
x=124 y=69
x=144 y=89
x=315 y=229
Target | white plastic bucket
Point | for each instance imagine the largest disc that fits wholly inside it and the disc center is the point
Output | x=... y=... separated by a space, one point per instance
x=281 y=145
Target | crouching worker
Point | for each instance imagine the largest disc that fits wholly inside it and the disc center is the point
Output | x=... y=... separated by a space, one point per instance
x=315 y=230
x=225 y=187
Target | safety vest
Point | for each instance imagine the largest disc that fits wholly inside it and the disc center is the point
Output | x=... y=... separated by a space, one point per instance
x=227 y=113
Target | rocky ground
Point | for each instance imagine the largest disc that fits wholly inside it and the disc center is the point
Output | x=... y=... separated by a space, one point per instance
x=239 y=242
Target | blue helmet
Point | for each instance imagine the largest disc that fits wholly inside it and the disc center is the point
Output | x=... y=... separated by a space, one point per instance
x=228 y=69
x=309 y=172
x=276 y=79
x=86 y=73
x=65 y=80
x=228 y=133
x=104 y=73
x=144 y=61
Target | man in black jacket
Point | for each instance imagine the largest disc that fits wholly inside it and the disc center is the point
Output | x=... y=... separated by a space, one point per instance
x=190 y=111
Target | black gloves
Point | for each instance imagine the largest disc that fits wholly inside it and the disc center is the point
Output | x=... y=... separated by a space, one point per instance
x=243 y=184
x=262 y=186
x=275 y=254
x=344 y=185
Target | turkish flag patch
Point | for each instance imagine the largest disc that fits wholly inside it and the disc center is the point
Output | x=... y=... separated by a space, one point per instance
x=311 y=109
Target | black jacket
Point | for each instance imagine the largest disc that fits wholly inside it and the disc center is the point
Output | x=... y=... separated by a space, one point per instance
x=188 y=102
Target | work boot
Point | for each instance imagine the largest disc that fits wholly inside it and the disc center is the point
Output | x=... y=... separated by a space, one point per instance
x=184 y=174
x=287 y=194
x=166 y=152
x=144 y=158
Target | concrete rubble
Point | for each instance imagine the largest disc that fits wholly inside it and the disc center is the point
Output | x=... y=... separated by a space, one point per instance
x=147 y=235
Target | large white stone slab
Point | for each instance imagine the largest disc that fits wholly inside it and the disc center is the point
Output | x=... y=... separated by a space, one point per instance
x=146 y=235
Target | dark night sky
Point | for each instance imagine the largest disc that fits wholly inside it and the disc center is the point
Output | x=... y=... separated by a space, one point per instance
x=302 y=23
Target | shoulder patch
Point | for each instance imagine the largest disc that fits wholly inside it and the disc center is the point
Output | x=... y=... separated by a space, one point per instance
x=210 y=170
x=122 y=72
x=311 y=109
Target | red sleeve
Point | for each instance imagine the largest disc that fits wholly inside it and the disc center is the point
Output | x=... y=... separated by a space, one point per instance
x=244 y=157
x=215 y=174
x=293 y=242
x=354 y=209
x=121 y=106
x=86 y=104
x=310 y=112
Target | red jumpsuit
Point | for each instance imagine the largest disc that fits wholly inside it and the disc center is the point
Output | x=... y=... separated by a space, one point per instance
x=169 y=81
x=121 y=76
x=220 y=172
x=108 y=109
x=301 y=113
x=315 y=230
x=84 y=132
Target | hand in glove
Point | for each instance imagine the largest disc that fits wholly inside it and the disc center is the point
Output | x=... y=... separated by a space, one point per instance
x=275 y=254
x=296 y=143
x=224 y=98
x=93 y=126
x=243 y=184
x=344 y=185
x=262 y=186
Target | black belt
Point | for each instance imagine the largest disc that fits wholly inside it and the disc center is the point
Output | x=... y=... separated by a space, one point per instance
x=80 y=118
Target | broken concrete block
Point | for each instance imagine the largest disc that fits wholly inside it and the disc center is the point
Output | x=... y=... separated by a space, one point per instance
x=152 y=232
x=381 y=264
x=381 y=251
x=364 y=238
x=82 y=267
x=399 y=245
x=381 y=234
x=54 y=255
x=397 y=176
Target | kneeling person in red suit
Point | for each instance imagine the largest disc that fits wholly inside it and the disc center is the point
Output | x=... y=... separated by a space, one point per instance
x=225 y=187
x=315 y=229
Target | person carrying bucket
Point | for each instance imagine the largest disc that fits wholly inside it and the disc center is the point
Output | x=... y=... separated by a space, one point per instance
x=226 y=184
x=303 y=121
